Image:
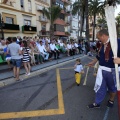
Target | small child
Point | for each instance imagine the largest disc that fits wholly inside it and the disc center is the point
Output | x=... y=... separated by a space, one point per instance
x=78 y=70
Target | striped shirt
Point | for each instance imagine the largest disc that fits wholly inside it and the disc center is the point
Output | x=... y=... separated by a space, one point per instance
x=26 y=56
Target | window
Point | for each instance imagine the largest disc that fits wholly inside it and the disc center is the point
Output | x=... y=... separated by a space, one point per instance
x=61 y=6
x=62 y=16
x=22 y=3
x=9 y=20
x=59 y=28
x=43 y=27
x=57 y=3
x=27 y=22
x=29 y=5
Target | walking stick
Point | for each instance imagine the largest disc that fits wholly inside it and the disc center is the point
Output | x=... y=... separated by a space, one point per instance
x=109 y=13
x=86 y=76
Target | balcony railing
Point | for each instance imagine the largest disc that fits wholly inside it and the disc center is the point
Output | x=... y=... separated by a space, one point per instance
x=11 y=27
x=43 y=19
x=43 y=1
x=44 y=33
x=29 y=29
x=67 y=33
x=67 y=24
x=39 y=8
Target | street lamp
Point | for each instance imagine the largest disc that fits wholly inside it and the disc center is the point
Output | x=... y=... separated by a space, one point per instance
x=1 y=26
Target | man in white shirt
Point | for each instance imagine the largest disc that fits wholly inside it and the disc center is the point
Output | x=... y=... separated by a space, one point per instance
x=62 y=47
x=69 y=47
x=59 y=40
x=43 y=51
x=76 y=47
x=54 y=50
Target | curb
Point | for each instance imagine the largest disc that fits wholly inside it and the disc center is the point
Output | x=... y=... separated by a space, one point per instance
x=34 y=73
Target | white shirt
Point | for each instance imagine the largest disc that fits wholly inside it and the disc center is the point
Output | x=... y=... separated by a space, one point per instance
x=2 y=46
x=58 y=41
x=69 y=46
x=41 y=48
x=76 y=45
x=53 y=47
x=78 y=68
x=48 y=40
x=72 y=45
x=61 y=44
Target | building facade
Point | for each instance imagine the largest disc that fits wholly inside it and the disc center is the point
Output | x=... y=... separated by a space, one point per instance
x=43 y=24
x=74 y=29
x=62 y=24
x=19 y=17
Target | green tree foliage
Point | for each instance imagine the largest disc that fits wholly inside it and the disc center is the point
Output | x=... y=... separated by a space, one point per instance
x=96 y=7
x=102 y=23
x=52 y=13
x=118 y=25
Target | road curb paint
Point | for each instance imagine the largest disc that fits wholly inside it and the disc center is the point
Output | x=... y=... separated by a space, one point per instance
x=38 y=113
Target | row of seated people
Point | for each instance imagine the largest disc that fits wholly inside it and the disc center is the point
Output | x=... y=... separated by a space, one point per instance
x=40 y=51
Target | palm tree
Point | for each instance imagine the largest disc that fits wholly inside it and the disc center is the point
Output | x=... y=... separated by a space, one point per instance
x=118 y=24
x=96 y=7
x=87 y=19
x=112 y=2
x=52 y=13
x=79 y=8
x=102 y=23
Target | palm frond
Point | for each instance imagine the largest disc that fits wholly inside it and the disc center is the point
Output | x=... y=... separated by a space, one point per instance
x=52 y=13
x=46 y=11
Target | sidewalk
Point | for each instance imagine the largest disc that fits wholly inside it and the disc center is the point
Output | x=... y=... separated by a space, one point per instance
x=7 y=77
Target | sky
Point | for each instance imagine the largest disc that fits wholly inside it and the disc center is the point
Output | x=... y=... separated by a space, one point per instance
x=117 y=10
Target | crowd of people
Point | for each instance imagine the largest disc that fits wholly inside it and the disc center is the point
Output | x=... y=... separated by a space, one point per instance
x=32 y=51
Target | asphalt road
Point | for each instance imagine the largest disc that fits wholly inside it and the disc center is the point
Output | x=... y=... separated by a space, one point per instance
x=41 y=96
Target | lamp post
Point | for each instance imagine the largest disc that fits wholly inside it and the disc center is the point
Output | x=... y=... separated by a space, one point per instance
x=1 y=26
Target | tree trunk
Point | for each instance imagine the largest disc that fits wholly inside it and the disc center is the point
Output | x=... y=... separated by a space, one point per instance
x=82 y=23
x=94 y=25
x=87 y=27
x=87 y=20
x=51 y=31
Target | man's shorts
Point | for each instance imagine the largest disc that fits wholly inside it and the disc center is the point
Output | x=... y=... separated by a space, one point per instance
x=16 y=62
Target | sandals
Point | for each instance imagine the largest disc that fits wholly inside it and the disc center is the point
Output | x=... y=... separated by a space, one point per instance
x=94 y=105
x=110 y=103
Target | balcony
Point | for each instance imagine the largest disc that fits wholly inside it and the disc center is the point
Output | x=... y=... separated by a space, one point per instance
x=43 y=1
x=67 y=12
x=67 y=23
x=43 y=19
x=11 y=28
x=29 y=29
x=44 y=33
x=39 y=8
x=67 y=34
